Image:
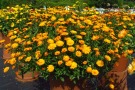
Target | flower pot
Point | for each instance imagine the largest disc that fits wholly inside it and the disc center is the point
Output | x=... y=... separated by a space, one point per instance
x=27 y=77
x=118 y=75
x=1 y=37
x=6 y=54
x=67 y=84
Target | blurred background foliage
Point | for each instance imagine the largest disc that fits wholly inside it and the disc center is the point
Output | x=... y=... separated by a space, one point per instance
x=51 y=3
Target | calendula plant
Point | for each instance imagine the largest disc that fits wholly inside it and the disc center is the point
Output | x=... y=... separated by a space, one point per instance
x=61 y=42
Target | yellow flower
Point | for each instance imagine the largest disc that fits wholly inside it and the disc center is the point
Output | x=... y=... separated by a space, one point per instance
x=12 y=55
x=70 y=42
x=13 y=37
x=95 y=72
x=57 y=53
x=107 y=57
x=68 y=63
x=73 y=65
x=37 y=54
x=59 y=43
x=60 y=62
x=40 y=62
x=83 y=33
x=50 y=41
x=53 y=18
x=42 y=23
x=14 y=45
x=73 y=32
x=71 y=49
x=18 y=40
x=100 y=63
x=89 y=69
x=111 y=86
x=28 y=59
x=12 y=61
x=79 y=36
x=39 y=43
x=107 y=40
x=50 y=68
x=78 y=54
x=5 y=69
x=66 y=58
x=52 y=46
x=12 y=24
x=86 y=50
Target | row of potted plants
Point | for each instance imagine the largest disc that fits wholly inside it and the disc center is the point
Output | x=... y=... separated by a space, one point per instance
x=61 y=43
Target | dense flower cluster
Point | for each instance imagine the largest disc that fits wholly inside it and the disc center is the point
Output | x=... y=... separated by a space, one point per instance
x=66 y=42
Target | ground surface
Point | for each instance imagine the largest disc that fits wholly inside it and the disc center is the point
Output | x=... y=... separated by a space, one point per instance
x=8 y=81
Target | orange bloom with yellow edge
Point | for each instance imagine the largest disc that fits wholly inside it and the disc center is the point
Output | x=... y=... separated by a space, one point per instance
x=6 y=69
x=64 y=50
x=95 y=72
x=50 y=68
x=78 y=53
x=71 y=49
x=40 y=62
x=66 y=58
x=60 y=62
x=57 y=53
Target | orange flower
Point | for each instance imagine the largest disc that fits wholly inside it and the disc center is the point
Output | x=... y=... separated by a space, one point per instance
x=60 y=62
x=68 y=63
x=12 y=61
x=59 y=43
x=40 y=62
x=5 y=69
x=86 y=49
x=95 y=37
x=52 y=46
x=85 y=62
x=50 y=41
x=14 y=45
x=66 y=58
x=57 y=53
x=42 y=23
x=95 y=72
x=111 y=86
x=78 y=54
x=89 y=69
x=50 y=68
x=107 y=57
x=100 y=63
x=73 y=65
x=107 y=40
x=64 y=50
x=71 y=49
x=70 y=42
x=28 y=59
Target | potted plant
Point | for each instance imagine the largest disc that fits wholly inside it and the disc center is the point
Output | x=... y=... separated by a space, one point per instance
x=71 y=46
